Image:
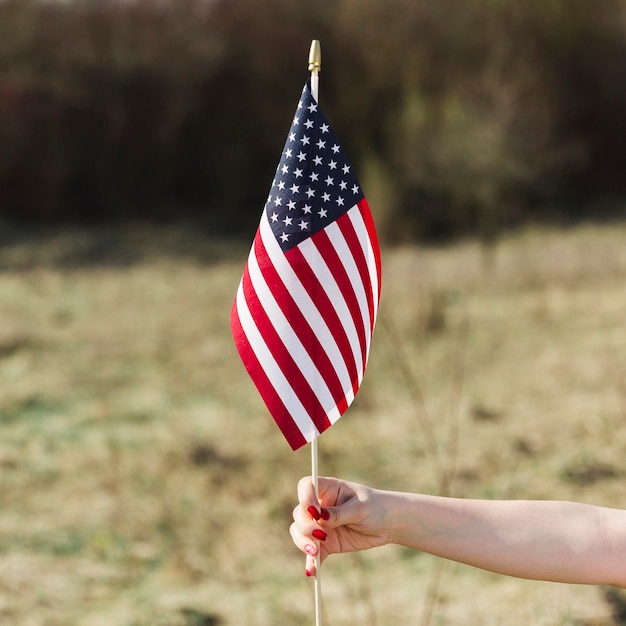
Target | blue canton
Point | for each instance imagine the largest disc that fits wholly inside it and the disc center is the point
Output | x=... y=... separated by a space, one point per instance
x=314 y=184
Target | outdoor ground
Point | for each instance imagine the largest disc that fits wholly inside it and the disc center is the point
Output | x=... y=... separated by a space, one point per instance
x=143 y=483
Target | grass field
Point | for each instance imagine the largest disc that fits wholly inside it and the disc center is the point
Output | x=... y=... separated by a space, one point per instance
x=143 y=483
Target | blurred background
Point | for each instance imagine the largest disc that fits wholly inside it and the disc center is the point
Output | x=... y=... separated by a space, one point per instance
x=142 y=482
x=460 y=117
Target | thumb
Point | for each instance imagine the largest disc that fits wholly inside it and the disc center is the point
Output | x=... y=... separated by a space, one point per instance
x=343 y=514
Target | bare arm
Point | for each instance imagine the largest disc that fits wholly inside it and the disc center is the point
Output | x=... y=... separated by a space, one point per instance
x=544 y=540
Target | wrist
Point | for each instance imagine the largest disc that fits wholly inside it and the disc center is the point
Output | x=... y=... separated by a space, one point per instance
x=393 y=526
x=401 y=517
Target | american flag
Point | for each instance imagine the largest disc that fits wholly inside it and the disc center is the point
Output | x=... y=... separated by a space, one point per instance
x=305 y=309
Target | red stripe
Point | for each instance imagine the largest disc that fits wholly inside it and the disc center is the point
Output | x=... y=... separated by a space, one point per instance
x=301 y=327
x=272 y=399
x=335 y=265
x=371 y=231
x=352 y=239
x=275 y=345
x=317 y=293
x=281 y=355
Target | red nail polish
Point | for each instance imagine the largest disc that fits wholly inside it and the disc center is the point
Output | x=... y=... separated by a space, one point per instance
x=307 y=572
x=325 y=514
x=319 y=534
x=314 y=513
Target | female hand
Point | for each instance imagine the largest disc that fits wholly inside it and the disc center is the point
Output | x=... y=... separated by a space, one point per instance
x=346 y=518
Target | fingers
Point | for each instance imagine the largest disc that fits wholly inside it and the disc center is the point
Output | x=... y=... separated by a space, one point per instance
x=307 y=526
x=306 y=531
x=302 y=542
x=312 y=521
x=307 y=498
x=308 y=546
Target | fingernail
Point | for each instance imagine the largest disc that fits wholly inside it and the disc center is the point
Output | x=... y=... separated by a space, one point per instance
x=314 y=513
x=325 y=514
x=307 y=572
x=319 y=534
x=310 y=549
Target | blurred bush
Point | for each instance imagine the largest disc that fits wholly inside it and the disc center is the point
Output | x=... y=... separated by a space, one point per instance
x=459 y=117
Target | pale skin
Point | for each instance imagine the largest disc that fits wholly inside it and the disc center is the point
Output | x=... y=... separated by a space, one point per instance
x=555 y=541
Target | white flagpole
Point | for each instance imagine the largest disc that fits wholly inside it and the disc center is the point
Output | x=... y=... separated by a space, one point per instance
x=315 y=65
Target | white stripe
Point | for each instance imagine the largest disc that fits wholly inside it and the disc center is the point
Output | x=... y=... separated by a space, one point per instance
x=347 y=258
x=361 y=230
x=307 y=307
x=292 y=341
x=272 y=370
x=326 y=278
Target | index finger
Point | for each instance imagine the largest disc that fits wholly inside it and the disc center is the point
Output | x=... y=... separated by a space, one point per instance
x=306 y=493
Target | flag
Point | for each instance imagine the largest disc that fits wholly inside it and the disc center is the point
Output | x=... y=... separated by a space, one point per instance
x=306 y=305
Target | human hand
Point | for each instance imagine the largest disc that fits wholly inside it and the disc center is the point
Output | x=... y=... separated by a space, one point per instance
x=347 y=517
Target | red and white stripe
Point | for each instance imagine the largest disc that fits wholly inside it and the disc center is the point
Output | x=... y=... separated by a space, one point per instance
x=303 y=321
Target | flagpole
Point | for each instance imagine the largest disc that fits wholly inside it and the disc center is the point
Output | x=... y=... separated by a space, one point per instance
x=315 y=65
x=317 y=580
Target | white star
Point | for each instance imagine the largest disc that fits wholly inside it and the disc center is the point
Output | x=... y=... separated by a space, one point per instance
x=326 y=197
x=287 y=221
x=277 y=201
x=284 y=237
x=310 y=192
x=355 y=189
x=281 y=185
x=274 y=217
x=299 y=104
x=324 y=128
x=284 y=169
x=314 y=176
x=288 y=153
x=335 y=149
x=317 y=160
x=308 y=124
x=312 y=107
x=301 y=156
x=303 y=225
x=291 y=204
x=329 y=181
x=296 y=120
x=322 y=212
x=297 y=172
x=321 y=144
x=305 y=140
x=295 y=188
x=343 y=184
x=345 y=169
x=332 y=165
x=306 y=209
x=292 y=136
x=339 y=201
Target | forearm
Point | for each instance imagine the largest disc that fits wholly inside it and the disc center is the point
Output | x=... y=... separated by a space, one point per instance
x=559 y=541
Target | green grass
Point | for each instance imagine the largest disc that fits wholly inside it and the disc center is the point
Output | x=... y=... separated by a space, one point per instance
x=143 y=483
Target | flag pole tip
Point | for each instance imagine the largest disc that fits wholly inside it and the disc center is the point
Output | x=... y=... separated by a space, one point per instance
x=315 y=56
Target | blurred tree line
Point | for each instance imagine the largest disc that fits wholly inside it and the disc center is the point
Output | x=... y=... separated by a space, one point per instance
x=458 y=116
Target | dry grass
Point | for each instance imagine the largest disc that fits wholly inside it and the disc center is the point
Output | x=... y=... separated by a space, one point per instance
x=142 y=482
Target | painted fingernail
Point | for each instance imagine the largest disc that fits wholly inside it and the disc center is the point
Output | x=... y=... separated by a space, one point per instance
x=319 y=534
x=314 y=513
x=325 y=515
x=307 y=572
x=310 y=549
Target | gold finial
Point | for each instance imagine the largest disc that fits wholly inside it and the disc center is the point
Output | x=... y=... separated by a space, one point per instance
x=315 y=57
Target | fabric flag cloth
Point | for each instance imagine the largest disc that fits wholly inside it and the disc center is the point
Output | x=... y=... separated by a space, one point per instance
x=306 y=306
